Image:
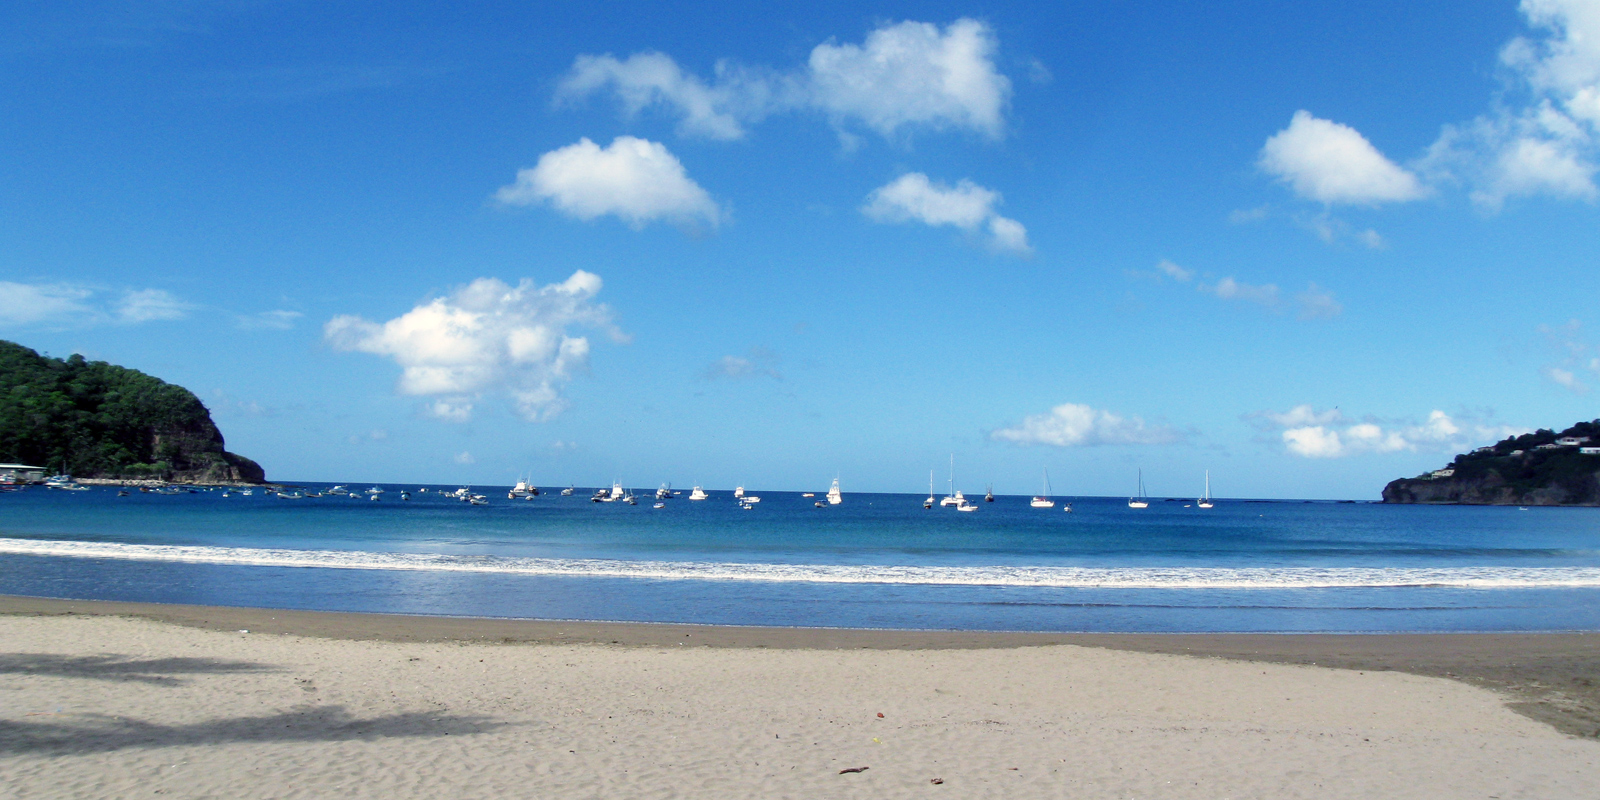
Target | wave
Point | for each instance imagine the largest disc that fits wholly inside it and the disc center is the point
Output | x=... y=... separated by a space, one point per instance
x=1042 y=577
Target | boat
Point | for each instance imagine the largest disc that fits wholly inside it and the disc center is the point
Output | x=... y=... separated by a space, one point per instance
x=738 y=491
x=247 y=493
x=834 y=497
x=750 y=498
x=1205 y=499
x=375 y=491
x=1139 y=500
x=966 y=506
x=339 y=490
x=1044 y=501
x=124 y=493
x=522 y=490
x=697 y=494
x=659 y=505
x=988 y=494
x=808 y=494
x=567 y=492
x=405 y=495
x=477 y=500
x=665 y=492
x=630 y=499
x=928 y=503
x=374 y=498
x=617 y=493
x=954 y=498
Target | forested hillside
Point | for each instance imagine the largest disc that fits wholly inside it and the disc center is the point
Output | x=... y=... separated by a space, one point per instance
x=99 y=420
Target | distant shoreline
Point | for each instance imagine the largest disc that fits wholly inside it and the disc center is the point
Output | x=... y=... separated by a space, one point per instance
x=1546 y=676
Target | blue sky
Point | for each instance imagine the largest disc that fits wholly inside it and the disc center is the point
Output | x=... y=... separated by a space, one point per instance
x=1308 y=248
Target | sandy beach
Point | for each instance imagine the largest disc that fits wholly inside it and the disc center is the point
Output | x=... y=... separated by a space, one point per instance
x=124 y=700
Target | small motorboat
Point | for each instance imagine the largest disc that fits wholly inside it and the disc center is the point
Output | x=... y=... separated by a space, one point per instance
x=659 y=505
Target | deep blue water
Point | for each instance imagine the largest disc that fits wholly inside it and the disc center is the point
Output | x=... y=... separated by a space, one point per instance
x=874 y=561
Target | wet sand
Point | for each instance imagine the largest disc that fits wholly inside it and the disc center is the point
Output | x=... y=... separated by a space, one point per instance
x=116 y=699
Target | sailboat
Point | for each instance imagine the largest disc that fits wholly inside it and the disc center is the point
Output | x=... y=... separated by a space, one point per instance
x=928 y=503
x=1044 y=501
x=1139 y=500
x=1205 y=499
x=834 y=498
x=954 y=498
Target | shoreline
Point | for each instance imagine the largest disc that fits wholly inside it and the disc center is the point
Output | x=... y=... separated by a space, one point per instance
x=1548 y=677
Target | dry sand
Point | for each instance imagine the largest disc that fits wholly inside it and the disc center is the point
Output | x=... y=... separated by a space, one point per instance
x=111 y=703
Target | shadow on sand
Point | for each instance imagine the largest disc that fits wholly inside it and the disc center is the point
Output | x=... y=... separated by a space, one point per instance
x=154 y=671
x=97 y=733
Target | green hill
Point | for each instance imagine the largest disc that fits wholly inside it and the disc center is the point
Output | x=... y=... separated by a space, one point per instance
x=1527 y=470
x=100 y=420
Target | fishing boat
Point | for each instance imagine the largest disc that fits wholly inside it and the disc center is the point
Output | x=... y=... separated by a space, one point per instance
x=1205 y=499
x=522 y=490
x=1139 y=500
x=697 y=494
x=988 y=494
x=834 y=497
x=738 y=491
x=664 y=492
x=1044 y=501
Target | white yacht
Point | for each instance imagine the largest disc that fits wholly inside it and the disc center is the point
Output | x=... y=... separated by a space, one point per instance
x=928 y=503
x=750 y=498
x=966 y=506
x=697 y=494
x=616 y=494
x=738 y=491
x=376 y=490
x=834 y=497
x=1205 y=499
x=1139 y=500
x=1044 y=501
x=955 y=497
x=567 y=492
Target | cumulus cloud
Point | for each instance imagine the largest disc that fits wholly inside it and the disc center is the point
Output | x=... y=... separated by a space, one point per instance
x=1541 y=137
x=1229 y=289
x=637 y=180
x=1174 y=271
x=72 y=305
x=1074 y=425
x=1309 y=433
x=914 y=198
x=1317 y=303
x=760 y=362
x=486 y=337
x=1332 y=163
x=903 y=76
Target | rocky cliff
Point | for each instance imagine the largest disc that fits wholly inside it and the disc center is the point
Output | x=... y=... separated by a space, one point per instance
x=1543 y=468
x=98 y=420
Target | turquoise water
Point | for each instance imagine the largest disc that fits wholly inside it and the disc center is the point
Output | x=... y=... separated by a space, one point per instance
x=874 y=561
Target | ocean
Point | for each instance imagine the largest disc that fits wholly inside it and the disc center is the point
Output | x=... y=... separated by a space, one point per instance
x=875 y=561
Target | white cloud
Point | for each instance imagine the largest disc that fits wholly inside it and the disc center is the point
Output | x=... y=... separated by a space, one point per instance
x=484 y=337
x=1174 y=271
x=147 y=305
x=1332 y=163
x=1541 y=139
x=72 y=305
x=638 y=180
x=465 y=457
x=51 y=303
x=716 y=110
x=914 y=198
x=279 y=320
x=1073 y=424
x=912 y=74
x=1317 y=303
x=1578 y=356
x=1230 y=289
x=761 y=362
x=903 y=76
x=1309 y=433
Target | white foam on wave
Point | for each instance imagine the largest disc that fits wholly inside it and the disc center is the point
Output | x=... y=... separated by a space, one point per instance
x=1048 y=577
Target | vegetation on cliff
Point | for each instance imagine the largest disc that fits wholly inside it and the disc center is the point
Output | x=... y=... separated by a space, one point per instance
x=99 y=420
x=1531 y=469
